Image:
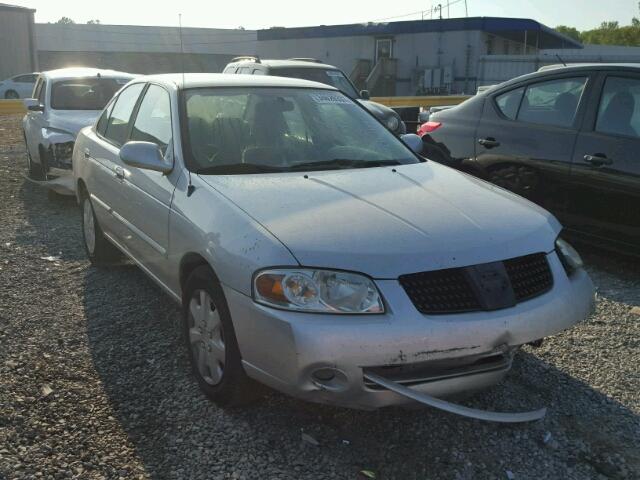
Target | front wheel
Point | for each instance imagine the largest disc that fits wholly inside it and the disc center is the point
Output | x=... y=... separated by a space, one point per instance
x=100 y=251
x=212 y=344
x=36 y=172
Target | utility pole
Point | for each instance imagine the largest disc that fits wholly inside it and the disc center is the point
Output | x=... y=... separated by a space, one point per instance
x=466 y=10
x=448 y=13
x=440 y=10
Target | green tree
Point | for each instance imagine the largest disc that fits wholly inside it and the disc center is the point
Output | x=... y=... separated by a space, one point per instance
x=569 y=31
x=65 y=21
x=93 y=22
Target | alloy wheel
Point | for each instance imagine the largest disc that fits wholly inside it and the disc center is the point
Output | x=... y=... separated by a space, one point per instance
x=206 y=337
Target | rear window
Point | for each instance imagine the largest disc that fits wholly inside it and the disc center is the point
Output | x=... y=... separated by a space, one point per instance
x=84 y=93
x=332 y=77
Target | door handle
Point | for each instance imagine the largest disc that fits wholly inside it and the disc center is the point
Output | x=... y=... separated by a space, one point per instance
x=119 y=172
x=598 y=159
x=489 y=142
x=87 y=153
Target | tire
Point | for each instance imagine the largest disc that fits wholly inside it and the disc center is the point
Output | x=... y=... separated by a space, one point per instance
x=99 y=250
x=11 y=95
x=36 y=172
x=212 y=344
x=518 y=179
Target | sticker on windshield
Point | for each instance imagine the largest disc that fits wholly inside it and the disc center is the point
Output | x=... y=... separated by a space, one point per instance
x=334 y=73
x=331 y=98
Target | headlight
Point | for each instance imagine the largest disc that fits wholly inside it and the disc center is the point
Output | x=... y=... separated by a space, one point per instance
x=324 y=291
x=392 y=123
x=63 y=151
x=570 y=258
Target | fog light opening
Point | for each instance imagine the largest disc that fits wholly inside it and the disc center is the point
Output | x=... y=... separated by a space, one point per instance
x=328 y=378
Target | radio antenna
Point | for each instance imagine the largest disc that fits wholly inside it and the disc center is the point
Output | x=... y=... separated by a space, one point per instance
x=190 y=188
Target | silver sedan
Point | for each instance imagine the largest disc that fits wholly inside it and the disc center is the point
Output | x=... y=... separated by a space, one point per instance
x=313 y=251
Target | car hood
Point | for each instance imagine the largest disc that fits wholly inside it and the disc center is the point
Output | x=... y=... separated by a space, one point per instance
x=72 y=121
x=379 y=110
x=386 y=221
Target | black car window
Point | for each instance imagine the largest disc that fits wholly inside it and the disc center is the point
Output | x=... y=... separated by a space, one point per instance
x=24 y=79
x=554 y=102
x=153 y=122
x=619 y=110
x=37 y=88
x=42 y=92
x=118 y=123
x=101 y=126
x=509 y=102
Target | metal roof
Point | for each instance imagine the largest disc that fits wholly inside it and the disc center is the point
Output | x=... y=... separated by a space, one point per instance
x=6 y=6
x=511 y=28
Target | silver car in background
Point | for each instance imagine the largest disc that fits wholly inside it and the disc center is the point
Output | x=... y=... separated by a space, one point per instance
x=65 y=101
x=315 y=252
x=18 y=86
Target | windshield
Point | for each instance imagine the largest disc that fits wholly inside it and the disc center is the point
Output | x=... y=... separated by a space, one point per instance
x=335 y=78
x=84 y=93
x=252 y=130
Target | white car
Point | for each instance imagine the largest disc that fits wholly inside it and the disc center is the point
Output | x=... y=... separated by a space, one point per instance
x=313 y=250
x=19 y=86
x=66 y=100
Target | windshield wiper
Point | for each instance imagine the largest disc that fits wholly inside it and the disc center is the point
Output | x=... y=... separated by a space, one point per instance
x=238 y=169
x=338 y=163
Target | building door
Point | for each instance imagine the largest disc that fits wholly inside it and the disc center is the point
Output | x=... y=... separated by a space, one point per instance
x=384 y=48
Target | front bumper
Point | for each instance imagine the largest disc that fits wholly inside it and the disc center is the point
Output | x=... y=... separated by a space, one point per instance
x=59 y=180
x=446 y=354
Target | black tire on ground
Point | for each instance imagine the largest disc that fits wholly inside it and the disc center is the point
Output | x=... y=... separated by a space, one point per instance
x=36 y=171
x=101 y=252
x=11 y=95
x=518 y=179
x=235 y=388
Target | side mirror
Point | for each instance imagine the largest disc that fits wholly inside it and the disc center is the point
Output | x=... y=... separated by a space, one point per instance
x=413 y=141
x=364 y=94
x=145 y=155
x=33 y=105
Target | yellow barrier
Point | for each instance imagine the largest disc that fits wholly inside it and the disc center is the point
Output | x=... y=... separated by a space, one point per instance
x=11 y=107
x=427 y=101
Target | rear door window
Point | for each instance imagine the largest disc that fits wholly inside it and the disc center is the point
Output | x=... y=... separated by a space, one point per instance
x=118 y=123
x=508 y=103
x=554 y=102
x=619 y=109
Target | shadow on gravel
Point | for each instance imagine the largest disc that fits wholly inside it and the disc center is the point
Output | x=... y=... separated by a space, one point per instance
x=135 y=340
x=51 y=223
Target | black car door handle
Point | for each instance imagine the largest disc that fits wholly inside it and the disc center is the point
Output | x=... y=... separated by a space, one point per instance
x=489 y=142
x=598 y=159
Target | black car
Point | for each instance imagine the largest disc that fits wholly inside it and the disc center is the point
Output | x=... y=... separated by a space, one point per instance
x=316 y=71
x=567 y=138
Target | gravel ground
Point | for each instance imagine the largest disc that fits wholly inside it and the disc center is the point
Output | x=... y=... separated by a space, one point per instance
x=94 y=382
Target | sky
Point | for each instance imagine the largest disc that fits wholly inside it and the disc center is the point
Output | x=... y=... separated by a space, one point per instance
x=582 y=14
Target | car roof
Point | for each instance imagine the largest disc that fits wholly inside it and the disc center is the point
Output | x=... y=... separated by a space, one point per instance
x=291 y=63
x=590 y=66
x=557 y=69
x=81 y=72
x=201 y=80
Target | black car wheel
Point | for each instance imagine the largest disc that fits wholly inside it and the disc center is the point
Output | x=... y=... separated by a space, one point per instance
x=211 y=342
x=100 y=251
